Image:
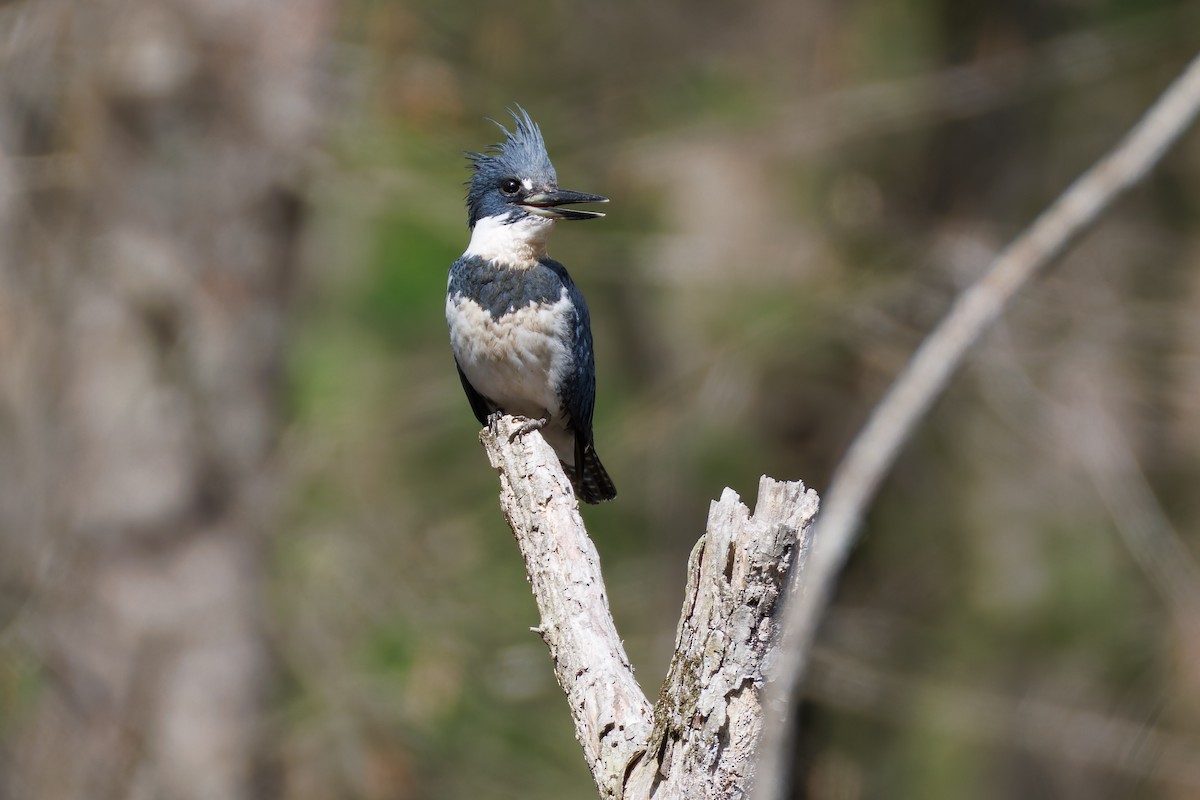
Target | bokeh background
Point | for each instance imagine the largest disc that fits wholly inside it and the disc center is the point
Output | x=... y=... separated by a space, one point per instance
x=251 y=547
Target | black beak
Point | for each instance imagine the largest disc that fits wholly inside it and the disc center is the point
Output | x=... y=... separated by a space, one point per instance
x=549 y=204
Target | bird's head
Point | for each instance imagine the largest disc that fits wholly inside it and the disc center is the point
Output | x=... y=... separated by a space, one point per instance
x=514 y=180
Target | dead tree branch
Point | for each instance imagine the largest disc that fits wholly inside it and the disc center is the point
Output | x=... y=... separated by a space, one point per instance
x=700 y=738
x=612 y=717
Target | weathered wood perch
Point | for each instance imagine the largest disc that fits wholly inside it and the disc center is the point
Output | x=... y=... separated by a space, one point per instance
x=698 y=740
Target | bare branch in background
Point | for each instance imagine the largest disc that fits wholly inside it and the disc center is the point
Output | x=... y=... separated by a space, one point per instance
x=874 y=450
x=1148 y=534
x=1110 y=463
x=700 y=738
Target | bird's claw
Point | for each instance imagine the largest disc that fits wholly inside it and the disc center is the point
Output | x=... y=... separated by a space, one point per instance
x=493 y=422
x=527 y=426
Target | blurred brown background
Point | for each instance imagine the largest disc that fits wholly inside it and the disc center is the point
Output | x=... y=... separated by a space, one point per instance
x=250 y=548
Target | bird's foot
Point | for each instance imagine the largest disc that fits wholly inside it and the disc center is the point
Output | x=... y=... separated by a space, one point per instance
x=493 y=422
x=527 y=426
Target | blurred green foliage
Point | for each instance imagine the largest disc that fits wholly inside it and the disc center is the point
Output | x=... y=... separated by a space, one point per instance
x=798 y=191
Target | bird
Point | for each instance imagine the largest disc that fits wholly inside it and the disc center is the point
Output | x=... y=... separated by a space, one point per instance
x=519 y=326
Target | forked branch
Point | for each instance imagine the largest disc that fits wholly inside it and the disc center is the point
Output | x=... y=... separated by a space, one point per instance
x=700 y=737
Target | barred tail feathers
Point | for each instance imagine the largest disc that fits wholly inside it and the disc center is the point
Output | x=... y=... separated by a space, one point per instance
x=591 y=480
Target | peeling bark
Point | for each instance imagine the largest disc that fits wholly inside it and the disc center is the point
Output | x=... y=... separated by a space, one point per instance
x=700 y=737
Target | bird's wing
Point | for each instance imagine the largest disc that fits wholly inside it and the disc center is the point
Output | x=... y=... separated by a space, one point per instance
x=583 y=391
x=578 y=393
x=479 y=403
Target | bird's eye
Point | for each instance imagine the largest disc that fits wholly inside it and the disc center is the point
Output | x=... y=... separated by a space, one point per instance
x=510 y=186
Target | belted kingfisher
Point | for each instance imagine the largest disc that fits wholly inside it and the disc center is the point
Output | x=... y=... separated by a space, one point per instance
x=519 y=326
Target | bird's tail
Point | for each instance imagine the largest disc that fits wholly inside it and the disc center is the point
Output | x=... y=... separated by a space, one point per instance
x=591 y=480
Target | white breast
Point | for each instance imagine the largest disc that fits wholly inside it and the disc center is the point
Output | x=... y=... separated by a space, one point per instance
x=515 y=360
